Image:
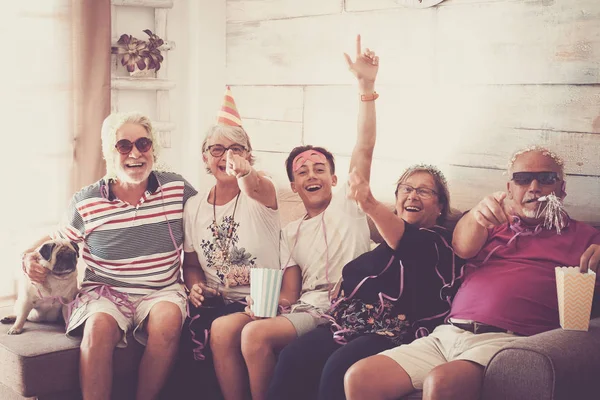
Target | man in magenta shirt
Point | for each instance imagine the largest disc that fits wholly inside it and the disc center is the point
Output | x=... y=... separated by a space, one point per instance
x=509 y=288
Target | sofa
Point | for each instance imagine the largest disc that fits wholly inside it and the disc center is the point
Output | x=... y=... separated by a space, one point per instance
x=42 y=363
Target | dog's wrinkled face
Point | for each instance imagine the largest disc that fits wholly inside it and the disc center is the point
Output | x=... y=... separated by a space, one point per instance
x=60 y=256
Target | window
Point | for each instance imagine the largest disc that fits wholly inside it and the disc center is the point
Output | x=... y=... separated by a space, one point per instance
x=37 y=105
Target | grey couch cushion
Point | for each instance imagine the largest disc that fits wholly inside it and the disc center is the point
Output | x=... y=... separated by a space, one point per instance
x=43 y=360
x=554 y=365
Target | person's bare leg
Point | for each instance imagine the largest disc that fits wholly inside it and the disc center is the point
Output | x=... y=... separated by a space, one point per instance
x=101 y=334
x=225 y=344
x=460 y=380
x=163 y=326
x=377 y=378
x=261 y=341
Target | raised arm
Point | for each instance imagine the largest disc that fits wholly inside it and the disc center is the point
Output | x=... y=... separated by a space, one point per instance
x=390 y=226
x=252 y=183
x=365 y=69
x=471 y=232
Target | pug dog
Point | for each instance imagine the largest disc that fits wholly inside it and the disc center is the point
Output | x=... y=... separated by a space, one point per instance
x=42 y=302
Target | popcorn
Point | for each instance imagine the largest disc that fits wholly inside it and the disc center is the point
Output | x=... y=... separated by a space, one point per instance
x=265 y=284
x=575 y=293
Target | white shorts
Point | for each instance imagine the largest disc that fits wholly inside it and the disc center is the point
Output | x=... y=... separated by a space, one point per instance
x=446 y=343
x=126 y=318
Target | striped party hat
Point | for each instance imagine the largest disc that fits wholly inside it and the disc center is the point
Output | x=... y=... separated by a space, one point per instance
x=228 y=115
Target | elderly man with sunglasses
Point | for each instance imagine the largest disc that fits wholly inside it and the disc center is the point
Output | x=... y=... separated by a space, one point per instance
x=131 y=226
x=509 y=289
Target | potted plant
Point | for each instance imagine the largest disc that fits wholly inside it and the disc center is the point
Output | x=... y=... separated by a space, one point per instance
x=140 y=57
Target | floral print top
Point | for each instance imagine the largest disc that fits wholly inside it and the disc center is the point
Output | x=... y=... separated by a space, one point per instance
x=422 y=265
x=221 y=252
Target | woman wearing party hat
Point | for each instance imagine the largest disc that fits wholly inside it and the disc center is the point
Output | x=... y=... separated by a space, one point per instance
x=230 y=228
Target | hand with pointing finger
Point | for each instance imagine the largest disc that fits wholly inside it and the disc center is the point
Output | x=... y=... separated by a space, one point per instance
x=237 y=165
x=365 y=66
x=492 y=211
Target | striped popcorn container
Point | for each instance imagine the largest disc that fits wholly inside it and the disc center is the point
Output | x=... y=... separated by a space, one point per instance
x=575 y=292
x=265 y=284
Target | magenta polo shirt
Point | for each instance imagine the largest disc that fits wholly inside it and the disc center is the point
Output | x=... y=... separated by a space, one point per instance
x=516 y=288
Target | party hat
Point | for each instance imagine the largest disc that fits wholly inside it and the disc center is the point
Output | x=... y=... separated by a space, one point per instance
x=228 y=115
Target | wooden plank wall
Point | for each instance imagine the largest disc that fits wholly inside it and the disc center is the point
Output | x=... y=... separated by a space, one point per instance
x=463 y=85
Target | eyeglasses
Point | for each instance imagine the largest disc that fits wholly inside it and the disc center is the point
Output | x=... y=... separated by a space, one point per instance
x=424 y=193
x=217 y=150
x=543 y=178
x=125 y=146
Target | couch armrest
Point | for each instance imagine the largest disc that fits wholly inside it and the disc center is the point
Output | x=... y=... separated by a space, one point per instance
x=554 y=365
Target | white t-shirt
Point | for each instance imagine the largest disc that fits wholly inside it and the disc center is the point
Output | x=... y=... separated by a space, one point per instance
x=348 y=237
x=250 y=238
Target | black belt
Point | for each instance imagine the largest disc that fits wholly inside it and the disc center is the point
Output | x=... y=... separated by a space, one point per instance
x=477 y=328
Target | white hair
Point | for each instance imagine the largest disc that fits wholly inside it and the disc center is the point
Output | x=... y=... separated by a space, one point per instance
x=538 y=149
x=111 y=125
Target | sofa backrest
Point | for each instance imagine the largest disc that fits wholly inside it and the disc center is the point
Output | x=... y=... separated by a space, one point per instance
x=291 y=208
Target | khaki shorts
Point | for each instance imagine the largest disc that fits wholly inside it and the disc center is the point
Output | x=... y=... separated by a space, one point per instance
x=127 y=319
x=446 y=343
x=304 y=317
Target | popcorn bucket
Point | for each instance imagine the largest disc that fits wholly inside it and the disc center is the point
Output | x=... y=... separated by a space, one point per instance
x=575 y=292
x=265 y=284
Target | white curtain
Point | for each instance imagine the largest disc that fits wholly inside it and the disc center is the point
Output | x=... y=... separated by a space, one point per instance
x=38 y=118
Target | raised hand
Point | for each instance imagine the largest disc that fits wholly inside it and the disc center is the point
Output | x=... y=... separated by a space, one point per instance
x=365 y=66
x=360 y=191
x=492 y=211
x=236 y=165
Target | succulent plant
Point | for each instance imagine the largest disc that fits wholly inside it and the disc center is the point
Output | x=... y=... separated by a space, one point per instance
x=141 y=53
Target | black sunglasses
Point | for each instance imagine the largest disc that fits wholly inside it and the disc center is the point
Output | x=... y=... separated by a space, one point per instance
x=125 y=146
x=217 y=150
x=543 y=178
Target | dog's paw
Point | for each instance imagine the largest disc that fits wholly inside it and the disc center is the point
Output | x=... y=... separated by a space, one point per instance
x=14 y=331
x=8 y=319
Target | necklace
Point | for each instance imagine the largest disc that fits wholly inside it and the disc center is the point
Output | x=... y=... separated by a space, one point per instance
x=223 y=241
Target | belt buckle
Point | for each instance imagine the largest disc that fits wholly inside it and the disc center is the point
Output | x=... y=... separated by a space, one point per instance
x=476 y=326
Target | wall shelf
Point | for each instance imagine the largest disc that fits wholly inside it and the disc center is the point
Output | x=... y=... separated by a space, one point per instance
x=169 y=44
x=159 y=85
x=126 y=83
x=143 y=3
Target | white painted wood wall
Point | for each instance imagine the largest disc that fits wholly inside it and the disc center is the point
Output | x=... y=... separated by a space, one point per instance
x=462 y=86
x=150 y=95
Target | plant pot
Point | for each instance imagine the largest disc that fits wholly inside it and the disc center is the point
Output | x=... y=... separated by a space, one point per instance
x=143 y=73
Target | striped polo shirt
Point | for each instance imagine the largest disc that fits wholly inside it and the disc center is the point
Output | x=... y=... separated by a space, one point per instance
x=131 y=248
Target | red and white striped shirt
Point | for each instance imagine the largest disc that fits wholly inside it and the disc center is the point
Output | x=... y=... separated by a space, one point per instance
x=131 y=248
